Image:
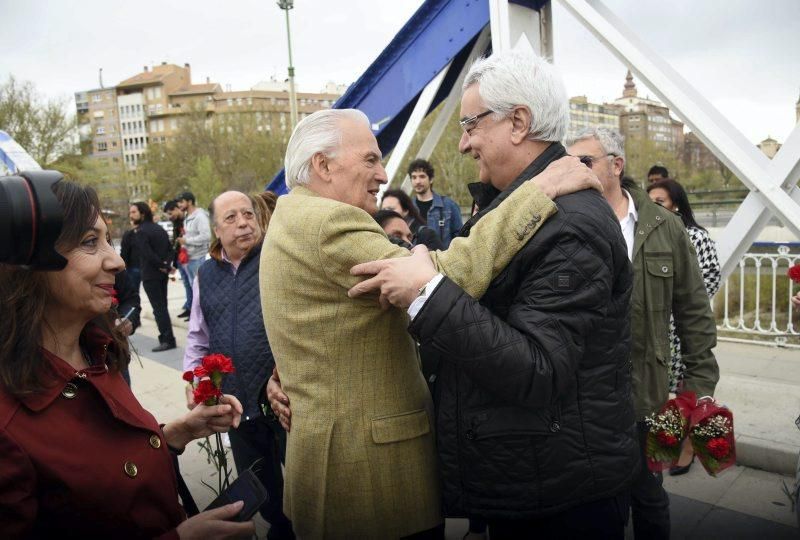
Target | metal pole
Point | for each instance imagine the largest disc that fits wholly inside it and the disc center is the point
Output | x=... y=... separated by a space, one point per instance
x=286 y=6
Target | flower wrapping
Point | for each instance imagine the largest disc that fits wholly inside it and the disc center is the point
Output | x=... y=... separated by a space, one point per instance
x=668 y=428
x=712 y=436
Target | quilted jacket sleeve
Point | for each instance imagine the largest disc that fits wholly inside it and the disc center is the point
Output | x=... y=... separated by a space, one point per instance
x=529 y=357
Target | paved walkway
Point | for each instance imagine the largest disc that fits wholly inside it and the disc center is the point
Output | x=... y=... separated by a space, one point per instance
x=760 y=384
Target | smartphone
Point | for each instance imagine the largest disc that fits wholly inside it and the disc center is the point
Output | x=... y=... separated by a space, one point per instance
x=247 y=488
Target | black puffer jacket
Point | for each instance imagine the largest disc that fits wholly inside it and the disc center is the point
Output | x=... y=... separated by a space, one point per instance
x=533 y=386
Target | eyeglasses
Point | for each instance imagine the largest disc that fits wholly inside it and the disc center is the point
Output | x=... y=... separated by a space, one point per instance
x=590 y=160
x=469 y=123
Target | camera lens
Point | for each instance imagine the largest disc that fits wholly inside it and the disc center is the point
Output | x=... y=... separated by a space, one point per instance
x=30 y=220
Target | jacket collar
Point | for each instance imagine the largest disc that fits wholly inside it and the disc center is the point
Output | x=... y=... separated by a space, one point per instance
x=651 y=215
x=492 y=197
x=58 y=372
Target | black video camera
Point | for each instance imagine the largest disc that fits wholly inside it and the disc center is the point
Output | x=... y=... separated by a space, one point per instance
x=30 y=220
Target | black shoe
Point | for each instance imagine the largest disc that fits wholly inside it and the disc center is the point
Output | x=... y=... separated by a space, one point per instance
x=184 y=314
x=164 y=347
x=678 y=470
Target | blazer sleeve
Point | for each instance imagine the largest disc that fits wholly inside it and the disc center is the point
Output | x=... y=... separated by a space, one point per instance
x=349 y=236
x=474 y=261
x=694 y=321
x=18 y=504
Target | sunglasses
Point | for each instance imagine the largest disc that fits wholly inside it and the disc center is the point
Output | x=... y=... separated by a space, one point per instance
x=590 y=160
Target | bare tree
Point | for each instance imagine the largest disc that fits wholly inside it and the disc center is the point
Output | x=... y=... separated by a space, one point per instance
x=42 y=127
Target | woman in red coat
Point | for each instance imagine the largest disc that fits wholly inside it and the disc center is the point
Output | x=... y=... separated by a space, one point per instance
x=79 y=456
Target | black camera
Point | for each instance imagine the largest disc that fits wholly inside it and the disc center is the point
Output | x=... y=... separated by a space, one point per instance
x=30 y=220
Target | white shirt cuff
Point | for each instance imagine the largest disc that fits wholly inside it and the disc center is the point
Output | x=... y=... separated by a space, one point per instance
x=417 y=304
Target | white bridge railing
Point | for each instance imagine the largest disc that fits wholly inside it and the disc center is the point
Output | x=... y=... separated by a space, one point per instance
x=754 y=304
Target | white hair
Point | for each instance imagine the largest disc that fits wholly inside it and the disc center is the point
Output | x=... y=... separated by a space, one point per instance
x=611 y=141
x=319 y=132
x=511 y=78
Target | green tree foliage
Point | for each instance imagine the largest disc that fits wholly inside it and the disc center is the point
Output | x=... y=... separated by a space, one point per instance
x=213 y=154
x=42 y=127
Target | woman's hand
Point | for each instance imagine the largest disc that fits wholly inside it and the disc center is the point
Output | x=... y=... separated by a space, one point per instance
x=214 y=524
x=203 y=421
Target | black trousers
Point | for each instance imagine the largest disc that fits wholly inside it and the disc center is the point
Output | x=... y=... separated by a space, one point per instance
x=649 y=500
x=263 y=440
x=156 y=290
x=603 y=520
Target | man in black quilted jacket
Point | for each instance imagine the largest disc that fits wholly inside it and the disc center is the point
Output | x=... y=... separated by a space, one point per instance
x=535 y=423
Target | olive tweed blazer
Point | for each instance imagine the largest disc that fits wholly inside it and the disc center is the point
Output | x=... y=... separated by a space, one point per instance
x=361 y=460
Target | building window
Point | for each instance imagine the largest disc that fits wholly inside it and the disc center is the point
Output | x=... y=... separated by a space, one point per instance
x=173 y=123
x=97 y=98
x=100 y=131
x=157 y=91
x=102 y=146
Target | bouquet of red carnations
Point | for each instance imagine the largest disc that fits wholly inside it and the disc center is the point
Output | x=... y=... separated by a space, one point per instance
x=712 y=436
x=668 y=428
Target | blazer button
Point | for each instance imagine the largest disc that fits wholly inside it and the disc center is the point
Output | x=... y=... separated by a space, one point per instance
x=555 y=427
x=130 y=469
x=155 y=441
x=470 y=435
x=70 y=391
x=665 y=269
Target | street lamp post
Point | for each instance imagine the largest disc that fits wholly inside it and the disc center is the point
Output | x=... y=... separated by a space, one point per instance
x=286 y=5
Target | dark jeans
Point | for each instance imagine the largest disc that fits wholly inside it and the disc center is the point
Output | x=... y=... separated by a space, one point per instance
x=156 y=290
x=187 y=286
x=604 y=519
x=649 y=501
x=264 y=440
x=134 y=277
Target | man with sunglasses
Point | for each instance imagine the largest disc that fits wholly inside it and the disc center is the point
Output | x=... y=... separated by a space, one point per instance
x=666 y=278
x=535 y=424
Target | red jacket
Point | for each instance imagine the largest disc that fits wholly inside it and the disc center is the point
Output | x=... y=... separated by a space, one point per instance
x=84 y=459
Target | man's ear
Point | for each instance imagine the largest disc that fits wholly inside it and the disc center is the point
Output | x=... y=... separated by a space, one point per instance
x=521 y=119
x=320 y=164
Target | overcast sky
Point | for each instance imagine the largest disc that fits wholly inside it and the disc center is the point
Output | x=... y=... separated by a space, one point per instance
x=744 y=56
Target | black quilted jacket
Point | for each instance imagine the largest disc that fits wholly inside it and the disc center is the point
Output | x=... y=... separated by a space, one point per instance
x=533 y=382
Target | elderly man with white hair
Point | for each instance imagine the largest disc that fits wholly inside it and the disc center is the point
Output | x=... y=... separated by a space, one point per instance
x=535 y=424
x=361 y=460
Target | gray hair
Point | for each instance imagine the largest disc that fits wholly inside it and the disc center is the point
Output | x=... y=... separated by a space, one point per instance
x=319 y=132
x=511 y=78
x=610 y=140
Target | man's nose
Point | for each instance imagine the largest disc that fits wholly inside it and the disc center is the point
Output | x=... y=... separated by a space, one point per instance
x=463 y=143
x=380 y=174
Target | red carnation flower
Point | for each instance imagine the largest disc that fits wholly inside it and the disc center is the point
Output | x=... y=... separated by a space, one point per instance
x=794 y=273
x=206 y=392
x=188 y=376
x=218 y=362
x=719 y=447
x=667 y=439
x=200 y=372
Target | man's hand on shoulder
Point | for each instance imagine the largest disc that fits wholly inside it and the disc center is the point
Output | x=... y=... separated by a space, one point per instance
x=398 y=280
x=566 y=175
